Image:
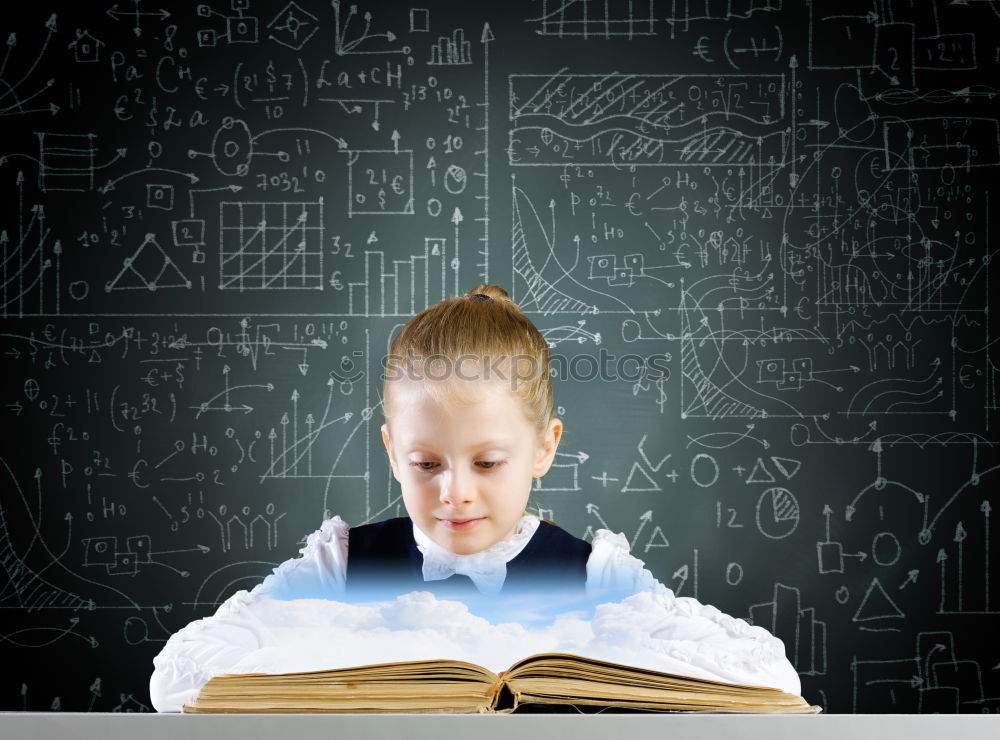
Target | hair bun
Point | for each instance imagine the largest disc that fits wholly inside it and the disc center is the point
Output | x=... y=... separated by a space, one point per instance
x=486 y=292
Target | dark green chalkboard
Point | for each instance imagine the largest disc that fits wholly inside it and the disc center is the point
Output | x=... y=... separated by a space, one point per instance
x=756 y=234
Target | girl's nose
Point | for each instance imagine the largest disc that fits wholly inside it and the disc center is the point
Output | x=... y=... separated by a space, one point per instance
x=457 y=489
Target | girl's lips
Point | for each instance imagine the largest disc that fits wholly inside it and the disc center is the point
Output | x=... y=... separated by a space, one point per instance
x=459 y=524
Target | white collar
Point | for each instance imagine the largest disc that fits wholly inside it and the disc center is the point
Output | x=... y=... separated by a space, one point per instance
x=487 y=568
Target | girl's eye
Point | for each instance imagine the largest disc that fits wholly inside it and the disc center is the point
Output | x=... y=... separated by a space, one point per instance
x=490 y=465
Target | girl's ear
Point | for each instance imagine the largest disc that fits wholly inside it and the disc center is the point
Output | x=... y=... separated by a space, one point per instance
x=546 y=451
x=388 y=450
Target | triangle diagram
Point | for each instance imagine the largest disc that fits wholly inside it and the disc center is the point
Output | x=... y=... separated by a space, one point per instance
x=149 y=268
x=787 y=466
x=656 y=539
x=636 y=471
x=760 y=473
x=876 y=604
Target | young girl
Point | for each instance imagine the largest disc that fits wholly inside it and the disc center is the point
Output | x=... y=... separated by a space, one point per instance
x=469 y=424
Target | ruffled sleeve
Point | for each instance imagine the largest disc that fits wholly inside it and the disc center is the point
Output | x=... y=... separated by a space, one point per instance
x=319 y=573
x=205 y=648
x=234 y=634
x=681 y=627
x=613 y=570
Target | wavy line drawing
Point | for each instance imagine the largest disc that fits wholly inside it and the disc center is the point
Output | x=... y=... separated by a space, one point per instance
x=26 y=585
x=576 y=100
x=711 y=386
x=547 y=295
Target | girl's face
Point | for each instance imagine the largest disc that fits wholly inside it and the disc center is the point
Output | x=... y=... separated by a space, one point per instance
x=465 y=468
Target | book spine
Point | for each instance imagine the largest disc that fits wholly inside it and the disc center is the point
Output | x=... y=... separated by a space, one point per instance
x=502 y=697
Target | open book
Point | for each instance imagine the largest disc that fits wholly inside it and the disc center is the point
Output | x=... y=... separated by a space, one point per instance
x=457 y=686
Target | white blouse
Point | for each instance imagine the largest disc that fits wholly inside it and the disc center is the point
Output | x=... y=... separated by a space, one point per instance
x=704 y=640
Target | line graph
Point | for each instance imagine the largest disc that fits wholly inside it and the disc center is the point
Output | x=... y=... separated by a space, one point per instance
x=276 y=246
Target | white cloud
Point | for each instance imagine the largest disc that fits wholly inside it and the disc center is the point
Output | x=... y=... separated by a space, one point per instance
x=652 y=630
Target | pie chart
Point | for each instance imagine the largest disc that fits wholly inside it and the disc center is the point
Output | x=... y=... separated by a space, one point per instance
x=777 y=513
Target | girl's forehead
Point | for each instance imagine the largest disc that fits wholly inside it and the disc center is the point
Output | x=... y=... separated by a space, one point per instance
x=412 y=409
x=449 y=393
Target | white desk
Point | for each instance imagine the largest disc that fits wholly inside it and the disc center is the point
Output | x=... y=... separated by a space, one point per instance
x=77 y=726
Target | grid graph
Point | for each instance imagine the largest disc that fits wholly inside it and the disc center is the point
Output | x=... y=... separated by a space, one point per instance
x=276 y=246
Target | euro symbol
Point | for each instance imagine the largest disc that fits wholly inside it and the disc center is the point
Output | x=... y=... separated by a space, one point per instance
x=701 y=51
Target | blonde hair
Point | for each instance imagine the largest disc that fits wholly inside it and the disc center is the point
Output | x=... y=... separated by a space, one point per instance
x=486 y=324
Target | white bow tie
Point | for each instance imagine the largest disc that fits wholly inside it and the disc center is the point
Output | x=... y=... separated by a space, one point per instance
x=487 y=569
x=488 y=574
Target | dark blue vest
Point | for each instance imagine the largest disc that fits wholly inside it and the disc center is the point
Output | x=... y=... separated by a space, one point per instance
x=383 y=559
